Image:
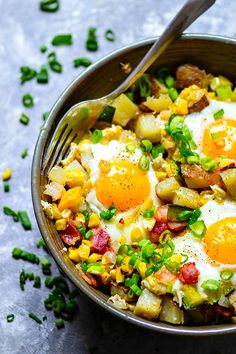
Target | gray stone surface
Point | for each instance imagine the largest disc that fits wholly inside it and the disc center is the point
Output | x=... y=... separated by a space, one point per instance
x=23 y=29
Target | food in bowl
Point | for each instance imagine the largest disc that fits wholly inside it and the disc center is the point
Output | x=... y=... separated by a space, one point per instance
x=145 y=203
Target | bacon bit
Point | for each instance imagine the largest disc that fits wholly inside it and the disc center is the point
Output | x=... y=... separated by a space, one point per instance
x=161 y=213
x=215 y=178
x=89 y=278
x=144 y=108
x=155 y=88
x=159 y=227
x=176 y=225
x=225 y=168
x=188 y=273
x=121 y=221
x=223 y=311
x=70 y=235
x=100 y=241
x=164 y=275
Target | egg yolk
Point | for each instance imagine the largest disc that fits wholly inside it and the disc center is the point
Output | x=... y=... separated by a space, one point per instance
x=123 y=185
x=220 y=241
x=220 y=139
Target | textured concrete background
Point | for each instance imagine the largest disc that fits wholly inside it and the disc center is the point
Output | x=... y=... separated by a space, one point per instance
x=23 y=29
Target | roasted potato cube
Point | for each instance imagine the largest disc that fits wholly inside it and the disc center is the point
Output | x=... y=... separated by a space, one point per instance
x=188 y=75
x=170 y=312
x=195 y=176
x=158 y=104
x=167 y=188
x=147 y=127
x=229 y=179
x=125 y=110
x=187 y=197
x=148 y=305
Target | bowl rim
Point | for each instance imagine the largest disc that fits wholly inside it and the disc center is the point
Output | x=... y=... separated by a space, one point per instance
x=36 y=197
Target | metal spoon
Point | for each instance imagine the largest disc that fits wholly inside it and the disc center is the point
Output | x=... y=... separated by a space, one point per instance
x=83 y=115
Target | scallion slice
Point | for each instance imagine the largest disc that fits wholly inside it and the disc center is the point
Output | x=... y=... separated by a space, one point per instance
x=82 y=62
x=136 y=289
x=37 y=282
x=24 y=219
x=96 y=136
x=42 y=75
x=144 y=163
x=211 y=285
x=91 y=42
x=28 y=100
x=173 y=93
x=110 y=35
x=226 y=275
x=24 y=119
x=219 y=114
x=35 y=317
x=6 y=187
x=198 y=229
x=148 y=213
x=24 y=154
x=10 y=317
x=108 y=214
x=49 y=5
x=107 y=114
x=62 y=39
x=27 y=74
x=146 y=145
x=157 y=150
x=224 y=92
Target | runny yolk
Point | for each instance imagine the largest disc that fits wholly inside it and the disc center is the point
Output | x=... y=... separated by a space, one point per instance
x=123 y=185
x=220 y=139
x=220 y=241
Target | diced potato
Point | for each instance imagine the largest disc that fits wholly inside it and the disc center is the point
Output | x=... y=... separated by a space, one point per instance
x=187 y=197
x=54 y=190
x=195 y=176
x=167 y=188
x=71 y=198
x=154 y=285
x=171 y=312
x=229 y=179
x=57 y=174
x=147 y=127
x=158 y=104
x=125 y=110
x=148 y=305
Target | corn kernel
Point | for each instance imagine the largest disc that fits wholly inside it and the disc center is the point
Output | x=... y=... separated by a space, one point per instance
x=87 y=186
x=148 y=203
x=87 y=243
x=73 y=254
x=55 y=212
x=84 y=252
x=148 y=224
x=161 y=176
x=203 y=201
x=66 y=213
x=113 y=274
x=136 y=234
x=60 y=224
x=94 y=257
x=119 y=276
x=75 y=177
x=94 y=220
x=123 y=239
x=105 y=277
x=79 y=217
x=125 y=266
x=141 y=268
x=176 y=258
x=182 y=107
x=6 y=174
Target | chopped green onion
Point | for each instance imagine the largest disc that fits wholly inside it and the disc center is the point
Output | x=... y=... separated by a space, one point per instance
x=143 y=243
x=144 y=163
x=46 y=264
x=184 y=215
x=43 y=48
x=107 y=114
x=35 y=318
x=59 y=323
x=195 y=215
x=123 y=249
x=224 y=92
x=24 y=119
x=157 y=150
x=119 y=259
x=86 y=214
x=173 y=93
x=168 y=250
x=207 y=164
x=84 y=266
x=24 y=154
x=163 y=73
x=49 y=282
x=42 y=75
x=148 y=213
x=169 y=81
x=10 y=317
x=192 y=159
x=82 y=62
x=95 y=268
x=91 y=42
x=108 y=214
x=219 y=114
x=62 y=39
x=147 y=251
x=147 y=145
x=22 y=280
x=133 y=259
x=27 y=74
x=6 y=187
x=226 y=275
x=81 y=230
x=144 y=86
x=24 y=219
x=37 y=282
x=136 y=289
x=96 y=136
x=88 y=234
x=8 y=211
x=30 y=276
x=130 y=95
x=49 y=5
x=26 y=256
x=214 y=136
x=45 y=115
x=54 y=64
x=165 y=237
x=28 y=100
x=185 y=258
x=40 y=243
x=172 y=266
x=133 y=280
x=130 y=148
x=110 y=35
x=211 y=285
x=149 y=272
x=198 y=229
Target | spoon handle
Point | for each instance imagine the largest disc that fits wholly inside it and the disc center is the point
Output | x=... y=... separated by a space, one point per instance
x=184 y=18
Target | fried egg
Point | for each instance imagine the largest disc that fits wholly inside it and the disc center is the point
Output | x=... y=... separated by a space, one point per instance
x=214 y=137
x=118 y=181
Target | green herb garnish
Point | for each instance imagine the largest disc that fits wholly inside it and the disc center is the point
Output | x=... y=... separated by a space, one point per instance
x=24 y=119
x=35 y=318
x=82 y=62
x=110 y=35
x=108 y=214
x=28 y=100
x=62 y=39
x=49 y=5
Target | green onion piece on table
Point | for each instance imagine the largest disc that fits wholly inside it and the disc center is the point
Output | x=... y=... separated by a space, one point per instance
x=10 y=317
x=45 y=115
x=62 y=39
x=24 y=219
x=28 y=100
x=42 y=75
x=8 y=211
x=91 y=42
x=46 y=264
x=35 y=317
x=82 y=62
x=18 y=253
x=43 y=48
x=37 y=282
x=24 y=154
x=6 y=187
x=49 y=5
x=27 y=74
x=110 y=35
x=24 y=119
